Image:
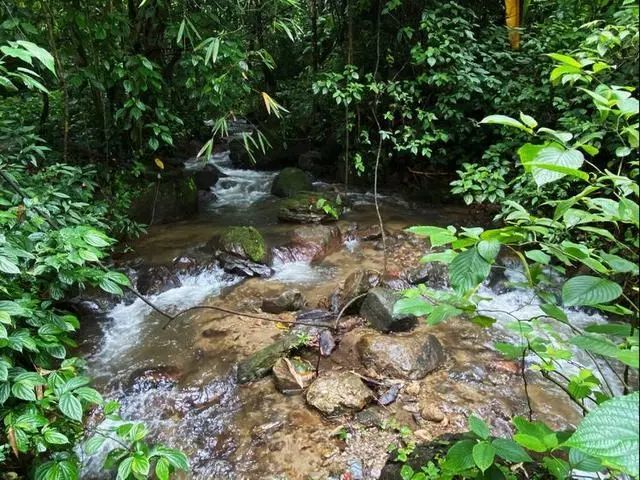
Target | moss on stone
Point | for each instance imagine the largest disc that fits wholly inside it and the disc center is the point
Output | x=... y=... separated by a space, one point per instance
x=244 y=240
x=289 y=182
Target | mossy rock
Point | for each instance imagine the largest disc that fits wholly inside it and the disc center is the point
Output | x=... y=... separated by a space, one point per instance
x=289 y=182
x=304 y=207
x=246 y=242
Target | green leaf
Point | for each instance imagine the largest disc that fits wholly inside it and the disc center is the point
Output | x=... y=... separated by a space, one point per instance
x=110 y=286
x=468 y=270
x=124 y=469
x=437 y=236
x=140 y=464
x=552 y=162
x=538 y=256
x=610 y=432
x=55 y=438
x=162 y=469
x=176 y=458
x=89 y=395
x=459 y=457
x=479 y=427
x=616 y=329
x=566 y=59
x=629 y=357
x=554 y=312
x=585 y=290
x=445 y=257
x=595 y=343
x=8 y=266
x=557 y=467
x=92 y=445
x=70 y=406
x=581 y=461
x=24 y=391
x=510 y=451
x=530 y=442
x=416 y=306
x=441 y=313
x=506 y=121
x=489 y=249
x=483 y=455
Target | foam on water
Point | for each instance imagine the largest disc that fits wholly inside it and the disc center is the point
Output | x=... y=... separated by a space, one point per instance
x=300 y=272
x=128 y=323
x=239 y=188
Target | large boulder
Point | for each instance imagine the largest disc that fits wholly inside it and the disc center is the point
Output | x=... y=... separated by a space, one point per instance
x=317 y=240
x=154 y=279
x=410 y=356
x=433 y=274
x=206 y=177
x=377 y=309
x=304 y=207
x=244 y=242
x=287 y=301
x=290 y=181
x=356 y=284
x=334 y=393
x=172 y=198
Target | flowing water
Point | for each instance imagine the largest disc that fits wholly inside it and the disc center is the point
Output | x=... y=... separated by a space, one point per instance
x=180 y=379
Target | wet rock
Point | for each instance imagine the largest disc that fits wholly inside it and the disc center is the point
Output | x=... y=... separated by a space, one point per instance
x=206 y=177
x=239 y=266
x=244 y=242
x=174 y=198
x=185 y=263
x=318 y=241
x=310 y=161
x=377 y=309
x=431 y=412
x=154 y=279
x=410 y=356
x=356 y=284
x=144 y=379
x=292 y=375
x=390 y=395
x=290 y=181
x=370 y=417
x=326 y=343
x=287 y=301
x=338 y=392
x=264 y=431
x=434 y=275
x=369 y=233
x=394 y=282
x=304 y=208
x=260 y=363
x=317 y=317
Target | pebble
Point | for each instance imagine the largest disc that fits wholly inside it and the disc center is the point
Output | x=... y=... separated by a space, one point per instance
x=422 y=435
x=432 y=413
x=412 y=389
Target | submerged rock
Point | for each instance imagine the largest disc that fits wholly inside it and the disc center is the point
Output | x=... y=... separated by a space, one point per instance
x=290 y=181
x=317 y=240
x=244 y=242
x=292 y=375
x=377 y=309
x=334 y=393
x=287 y=301
x=144 y=379
x=410 y=356
x=154 y=279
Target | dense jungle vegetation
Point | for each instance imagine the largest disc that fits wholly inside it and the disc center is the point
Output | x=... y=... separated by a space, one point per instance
x=536 y=123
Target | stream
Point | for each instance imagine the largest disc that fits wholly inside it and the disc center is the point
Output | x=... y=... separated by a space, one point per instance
x=181 y=380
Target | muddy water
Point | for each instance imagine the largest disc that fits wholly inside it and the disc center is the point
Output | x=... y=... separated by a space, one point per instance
x=252 y=431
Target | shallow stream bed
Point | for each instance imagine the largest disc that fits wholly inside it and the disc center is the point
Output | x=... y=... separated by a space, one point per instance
x=192 y=401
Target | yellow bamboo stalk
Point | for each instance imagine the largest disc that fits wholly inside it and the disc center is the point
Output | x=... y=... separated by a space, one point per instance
x=513 y=22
